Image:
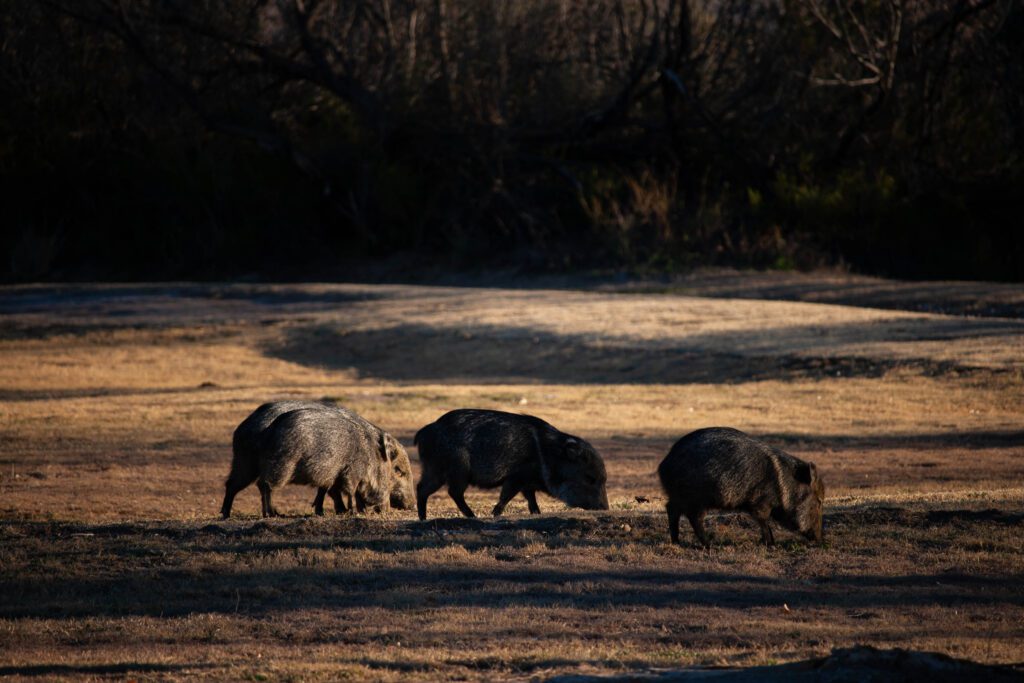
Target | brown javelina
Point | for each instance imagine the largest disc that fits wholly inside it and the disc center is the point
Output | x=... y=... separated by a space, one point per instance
x=520 y=453
x=248 y=449
x=724 y=469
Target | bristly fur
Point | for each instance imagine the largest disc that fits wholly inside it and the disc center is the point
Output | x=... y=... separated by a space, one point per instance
x=520 y=453
x=312 y=441
x=725 y=469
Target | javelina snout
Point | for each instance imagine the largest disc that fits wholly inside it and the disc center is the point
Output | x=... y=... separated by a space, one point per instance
x=520 y=453
x=578 y=477
x=724 y=469
x=809 y=515
x=402 y=496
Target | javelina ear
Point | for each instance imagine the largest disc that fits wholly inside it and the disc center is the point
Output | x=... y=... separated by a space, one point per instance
x=803 y=473
x=382 y=446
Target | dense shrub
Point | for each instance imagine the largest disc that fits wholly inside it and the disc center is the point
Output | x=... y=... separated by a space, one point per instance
x=196 y=139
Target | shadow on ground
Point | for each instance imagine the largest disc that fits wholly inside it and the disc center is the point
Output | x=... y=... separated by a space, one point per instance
x=121 y=300
x=658 y=446
x=496 y=354
x=174 y=592
x=164 y=568
x=986 y=299
x=843 y=665
x=119 y=670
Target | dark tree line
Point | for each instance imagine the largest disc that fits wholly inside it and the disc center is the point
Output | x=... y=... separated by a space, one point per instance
x=201 y=138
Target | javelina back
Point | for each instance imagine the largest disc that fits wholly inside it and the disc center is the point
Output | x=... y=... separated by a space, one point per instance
x=250 y=449
x=520 y=453
x=725 y=469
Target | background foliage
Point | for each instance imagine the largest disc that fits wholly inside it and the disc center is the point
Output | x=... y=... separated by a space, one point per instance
x=165 y=138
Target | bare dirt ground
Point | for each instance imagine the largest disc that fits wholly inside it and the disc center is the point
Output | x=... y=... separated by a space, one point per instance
x=117 y=405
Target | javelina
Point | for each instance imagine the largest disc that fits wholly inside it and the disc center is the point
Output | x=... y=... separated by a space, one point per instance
x=400 y=495
x=245 y=444
x=249 y=451
x=724 y=469
x=521 y=453
x=324 y=449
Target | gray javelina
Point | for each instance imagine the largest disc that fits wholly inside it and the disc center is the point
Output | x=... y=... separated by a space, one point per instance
x=520 y=453
x=248 y=449
x=245 y=445
x=724 y=469
x=327 y=450
x=401 y=494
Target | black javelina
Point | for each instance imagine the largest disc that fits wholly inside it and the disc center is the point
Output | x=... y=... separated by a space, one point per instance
x=724 y=469
x=250 y=452
x=520 y=453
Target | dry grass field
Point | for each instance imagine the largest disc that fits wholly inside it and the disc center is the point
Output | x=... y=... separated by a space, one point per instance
x=117 y=405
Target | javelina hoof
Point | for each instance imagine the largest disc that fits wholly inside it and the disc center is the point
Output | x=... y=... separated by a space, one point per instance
x=704 y=544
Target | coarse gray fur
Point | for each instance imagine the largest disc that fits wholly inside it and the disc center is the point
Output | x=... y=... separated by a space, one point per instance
x=520 y=453
x=325 y=449
x=250 y=450
x=725 y=469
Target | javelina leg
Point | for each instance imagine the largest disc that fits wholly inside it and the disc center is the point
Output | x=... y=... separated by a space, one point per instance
x=531 y=501
x=318 y=502
x=762 y=517
x=339 y=504
x=697 y=522
x=265 y=496
x=674 y=513
x=457 y=494
x=231 y=489
x=427 y=485
x=508 y=491
x=351 y=499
